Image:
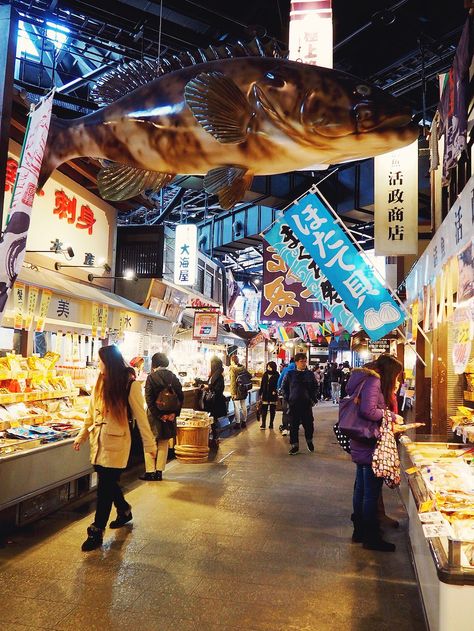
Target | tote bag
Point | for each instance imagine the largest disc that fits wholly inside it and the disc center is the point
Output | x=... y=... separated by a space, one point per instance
x=350 y=421
x=385 y=461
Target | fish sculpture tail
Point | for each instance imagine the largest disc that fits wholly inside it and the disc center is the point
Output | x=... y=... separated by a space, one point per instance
x=56 y=151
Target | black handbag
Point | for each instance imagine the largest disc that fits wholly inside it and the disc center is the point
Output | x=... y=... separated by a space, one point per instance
x=341 y=438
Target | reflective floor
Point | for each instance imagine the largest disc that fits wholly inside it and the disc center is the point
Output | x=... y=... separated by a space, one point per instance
x=256 y=540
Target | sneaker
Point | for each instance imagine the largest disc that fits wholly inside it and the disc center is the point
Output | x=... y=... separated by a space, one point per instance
x=121 y=520
x=262 y=427
x=94 y=539
x=148 y=477
x=310 y=446
x=294 y=450
x=284 y=432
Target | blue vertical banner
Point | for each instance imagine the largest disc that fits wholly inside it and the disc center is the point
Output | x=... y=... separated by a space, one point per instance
x=328 y=244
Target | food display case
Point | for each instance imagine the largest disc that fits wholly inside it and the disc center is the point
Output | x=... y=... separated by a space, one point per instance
x=438 y=492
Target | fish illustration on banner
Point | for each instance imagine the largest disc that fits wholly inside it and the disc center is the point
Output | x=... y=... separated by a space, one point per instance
x=243 y=112
x=328 y=244
x=284 y=298
x=300 y=263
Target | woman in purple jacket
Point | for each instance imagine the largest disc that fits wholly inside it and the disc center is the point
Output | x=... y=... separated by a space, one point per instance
x=376 y=385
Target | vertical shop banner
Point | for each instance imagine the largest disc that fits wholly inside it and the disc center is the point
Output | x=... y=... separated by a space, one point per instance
x=284 y=298
x=19 y=294
x=104 y=321
x=185 y=254
x=396 y=202
x=415 y=314
x=301 y=264
x=311 y=39
x=33 y=293
x=205 y=326
x=463 y=332
x=43 y=310
x=76 y=355
x=13 y=245
x=326 y=241
x=95 y=319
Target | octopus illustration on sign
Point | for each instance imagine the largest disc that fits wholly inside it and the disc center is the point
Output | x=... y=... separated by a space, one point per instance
x=227 y=119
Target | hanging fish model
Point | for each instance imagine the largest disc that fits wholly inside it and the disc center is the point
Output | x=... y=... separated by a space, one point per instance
x=227 y=119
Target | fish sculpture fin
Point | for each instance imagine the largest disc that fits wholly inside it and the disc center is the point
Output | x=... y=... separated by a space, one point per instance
x=118 y=182
x=229 y=184
x=219 y=106
x=112 y=85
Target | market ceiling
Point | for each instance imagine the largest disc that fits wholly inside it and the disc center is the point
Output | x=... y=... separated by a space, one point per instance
x=387 y=43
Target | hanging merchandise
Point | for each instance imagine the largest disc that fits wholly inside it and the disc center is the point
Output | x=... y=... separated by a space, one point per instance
x=33 y=293
x=43 y=310
x=19 y=291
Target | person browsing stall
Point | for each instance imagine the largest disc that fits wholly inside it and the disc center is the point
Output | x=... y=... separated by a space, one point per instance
x=268 y=393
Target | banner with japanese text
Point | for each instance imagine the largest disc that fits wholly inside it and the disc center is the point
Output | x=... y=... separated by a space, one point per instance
x=95 y=319
x=13 y=245
x=284 y=298
x=104 y=317
x=311 y=37
x=302 y=265
x=396 y=202
x=33 y=293
x=332 y=250
x=43 y=310
x=19 y=300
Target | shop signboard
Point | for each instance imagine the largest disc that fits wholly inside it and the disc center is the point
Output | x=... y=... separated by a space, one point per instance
x=396 y=202
x=46 y=295
x=185 y=254
x=19 y=299
x=302 y=266
x=463 y=332
x=33 y=293
x=327 y=242
x=310 y=38
x=284 y=298
x=205 y=327
x=378 y=347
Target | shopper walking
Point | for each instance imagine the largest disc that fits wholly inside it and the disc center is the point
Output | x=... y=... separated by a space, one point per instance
x=300 y=391
x=162 y=421
x=107 y=427
x=375 y=386
x=345 y=375
x=214 y=400
x=335 y=379
x=268 y=393
x=285 y=421
x=239 y=376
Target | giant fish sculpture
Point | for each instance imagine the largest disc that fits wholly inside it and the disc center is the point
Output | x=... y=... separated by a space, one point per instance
x=227 y=119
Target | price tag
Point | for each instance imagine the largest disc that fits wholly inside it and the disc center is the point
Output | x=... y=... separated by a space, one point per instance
x=426 y=507
x=411 y=470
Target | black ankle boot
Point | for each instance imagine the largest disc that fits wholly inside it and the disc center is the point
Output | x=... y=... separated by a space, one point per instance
x=373 y=539
x=121 y=519
x=358 y=534
x=158 y=476
x=94 y=539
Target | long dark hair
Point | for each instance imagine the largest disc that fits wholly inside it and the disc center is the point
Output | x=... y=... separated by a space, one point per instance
x=112 y=387
x=272 y=365
x=216 y=364
x=388 y=367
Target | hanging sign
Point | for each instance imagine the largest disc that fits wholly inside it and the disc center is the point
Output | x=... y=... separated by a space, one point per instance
x=415 y=311
x=328 y=244
x=283 y=238
x=75 y=347
x=185 y=254
x=104 y=321
x=205 y=326
x=462 y=331
x=13 y=245
x=310 y=38
x=19 y=290
x=396 y=202
x=33 y=293
x=43 y=310
x=95 y=319
x=466 y=270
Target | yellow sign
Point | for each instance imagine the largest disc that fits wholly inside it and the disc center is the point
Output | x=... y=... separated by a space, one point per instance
x=75 y=347
x=95 y=319
x=414 y=319
x=44 y=306
x=103 y=323
x=19 y=290
x=33 y=293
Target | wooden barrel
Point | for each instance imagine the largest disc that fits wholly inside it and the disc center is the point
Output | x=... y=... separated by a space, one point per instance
x=192 y=444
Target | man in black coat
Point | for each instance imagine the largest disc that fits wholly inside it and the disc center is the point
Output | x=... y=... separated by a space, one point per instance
x=299 y=389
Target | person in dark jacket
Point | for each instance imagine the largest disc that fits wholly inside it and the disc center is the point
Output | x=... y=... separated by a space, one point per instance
x=299 y=389
x=376 y=386
x=335 y=379
x=268 y=393
x=214 y=400
x=162 y=425
x=285 y=419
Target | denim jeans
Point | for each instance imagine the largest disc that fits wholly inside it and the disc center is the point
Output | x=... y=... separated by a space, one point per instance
x=367 y=489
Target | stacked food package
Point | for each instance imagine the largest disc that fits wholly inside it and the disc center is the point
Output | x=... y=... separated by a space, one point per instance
x=462 y=423
x=448 y=475
x=193 y=418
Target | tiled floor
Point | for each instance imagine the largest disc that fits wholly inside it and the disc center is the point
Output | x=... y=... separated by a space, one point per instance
x=256 y=540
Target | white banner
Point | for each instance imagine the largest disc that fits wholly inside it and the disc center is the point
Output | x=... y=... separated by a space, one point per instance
x=310 y=40
x=396 y=202
x=13 y=246
x=185 y=254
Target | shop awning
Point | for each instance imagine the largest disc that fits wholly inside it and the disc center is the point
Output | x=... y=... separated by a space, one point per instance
x=79 y=292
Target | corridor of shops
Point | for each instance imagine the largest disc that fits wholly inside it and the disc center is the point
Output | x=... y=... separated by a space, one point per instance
x=255 y=540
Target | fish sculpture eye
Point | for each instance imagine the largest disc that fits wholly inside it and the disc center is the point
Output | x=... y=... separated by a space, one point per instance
x=363 y=90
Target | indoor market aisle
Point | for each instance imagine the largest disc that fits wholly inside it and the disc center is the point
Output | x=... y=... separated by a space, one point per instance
x=257 y=540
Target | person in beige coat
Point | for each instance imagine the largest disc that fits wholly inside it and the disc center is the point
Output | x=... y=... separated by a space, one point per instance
x=109 y=436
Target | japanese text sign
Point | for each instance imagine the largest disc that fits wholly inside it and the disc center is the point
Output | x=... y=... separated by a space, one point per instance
x=205 y=326
x=284 y=298
x=185 y=254
x=302 y=265
x=44 y=306
x=311 y=39
x=396 y=202
x=344 y=265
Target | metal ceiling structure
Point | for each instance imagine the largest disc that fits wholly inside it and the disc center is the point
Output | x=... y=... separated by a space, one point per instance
x=400 y=46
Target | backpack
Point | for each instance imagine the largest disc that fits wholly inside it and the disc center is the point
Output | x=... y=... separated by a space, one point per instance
x=167 y=400
x=244 y=384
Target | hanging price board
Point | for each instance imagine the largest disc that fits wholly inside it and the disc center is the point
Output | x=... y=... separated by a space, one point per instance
x=33 y=293
x=19 y=290
x=95 y=319
x=44 y=306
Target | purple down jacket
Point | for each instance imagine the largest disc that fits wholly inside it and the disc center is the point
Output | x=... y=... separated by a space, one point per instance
x=371 y=408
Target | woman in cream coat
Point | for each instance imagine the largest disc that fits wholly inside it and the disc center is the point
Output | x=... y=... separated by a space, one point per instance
x=109 y=435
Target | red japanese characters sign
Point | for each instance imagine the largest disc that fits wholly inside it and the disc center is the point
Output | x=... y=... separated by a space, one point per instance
x=66 y=208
